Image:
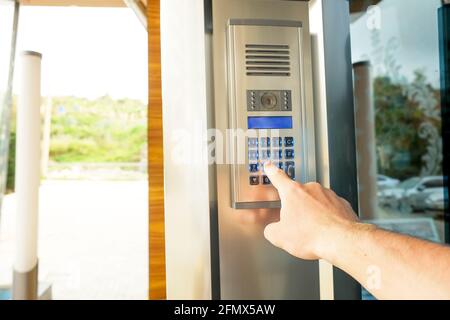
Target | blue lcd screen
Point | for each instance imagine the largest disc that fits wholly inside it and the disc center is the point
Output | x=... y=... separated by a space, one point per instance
x=270 y=122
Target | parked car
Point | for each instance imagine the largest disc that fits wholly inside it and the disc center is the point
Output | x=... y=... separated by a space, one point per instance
x=384 y=182
x=416 y=197
x=410 y=195
x=392 y=197
x=436 y=202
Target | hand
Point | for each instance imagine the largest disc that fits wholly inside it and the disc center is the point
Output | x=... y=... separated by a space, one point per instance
x=311 y=216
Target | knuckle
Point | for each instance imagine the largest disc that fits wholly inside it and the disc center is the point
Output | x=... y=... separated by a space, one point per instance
x=295 y=187
x=345 y=202
x=313 y=186
x=292 y=189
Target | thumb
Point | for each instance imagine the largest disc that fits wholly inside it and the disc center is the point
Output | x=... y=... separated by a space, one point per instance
x=277 y=177
x=273 y=233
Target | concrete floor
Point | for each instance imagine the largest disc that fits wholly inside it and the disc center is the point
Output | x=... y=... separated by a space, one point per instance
x=92 y=239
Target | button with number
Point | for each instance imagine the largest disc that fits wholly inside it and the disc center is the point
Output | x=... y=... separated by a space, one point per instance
x=288 y=142
x=253 y=167
x=254 y=180
x=253 y=142
x=265 y=154
x=290 y=169
x=277 y=154
x=289 y=153
x=277 y=142
x=265 y=180
x=265 y=142
x=253 y=155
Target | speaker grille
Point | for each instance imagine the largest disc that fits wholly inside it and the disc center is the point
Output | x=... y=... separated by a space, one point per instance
x=267 y=60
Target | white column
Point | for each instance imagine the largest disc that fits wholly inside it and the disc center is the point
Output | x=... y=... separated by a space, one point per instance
x=28 y=174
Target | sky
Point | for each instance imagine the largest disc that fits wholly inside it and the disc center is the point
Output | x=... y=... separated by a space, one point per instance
x=408 y=32
x=87 y=52
x=90 y=52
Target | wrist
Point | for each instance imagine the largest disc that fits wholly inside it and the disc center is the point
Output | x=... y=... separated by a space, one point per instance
x=339 y=238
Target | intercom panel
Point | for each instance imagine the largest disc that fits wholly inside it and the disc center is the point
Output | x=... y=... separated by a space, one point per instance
x=268 y=115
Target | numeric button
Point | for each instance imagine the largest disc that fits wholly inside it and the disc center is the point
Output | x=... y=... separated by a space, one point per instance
x=288 y=142
x=266 y=180
x=290 y=169
x=277 y=154
x=277 y=142
x=253 y=142
x=265 y=142
x=253 y=155
x=289 y=153
x=265 y=154
x=254 y=180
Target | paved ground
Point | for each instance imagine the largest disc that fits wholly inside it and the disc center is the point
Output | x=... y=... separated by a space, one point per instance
x=92 y=240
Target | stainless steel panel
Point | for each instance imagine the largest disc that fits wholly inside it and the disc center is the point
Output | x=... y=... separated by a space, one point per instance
x=250 y=267
x=272 y=42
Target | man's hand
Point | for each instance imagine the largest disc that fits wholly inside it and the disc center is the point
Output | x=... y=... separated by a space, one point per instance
x=309 y=216
x=317 y=224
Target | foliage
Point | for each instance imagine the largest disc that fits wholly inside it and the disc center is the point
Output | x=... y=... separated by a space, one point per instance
x=10 y=182
x=399 y=117
x=83 y=130
x=101 y=130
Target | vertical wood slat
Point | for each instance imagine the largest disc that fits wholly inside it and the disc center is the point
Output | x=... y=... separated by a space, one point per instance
x=157 y=274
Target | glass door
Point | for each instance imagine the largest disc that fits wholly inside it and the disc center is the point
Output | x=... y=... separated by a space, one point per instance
x=397 y=42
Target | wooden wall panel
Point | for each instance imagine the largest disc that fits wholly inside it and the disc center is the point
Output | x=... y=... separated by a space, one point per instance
x=157 y=278
x=81 y=3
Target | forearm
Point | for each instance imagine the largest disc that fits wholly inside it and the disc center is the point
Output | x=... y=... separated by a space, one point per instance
x=389 y=265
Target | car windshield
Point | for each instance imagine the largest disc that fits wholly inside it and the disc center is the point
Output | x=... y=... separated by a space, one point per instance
x=409 y=183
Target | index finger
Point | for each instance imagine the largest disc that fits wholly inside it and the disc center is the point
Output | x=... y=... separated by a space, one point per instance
x=277 y=177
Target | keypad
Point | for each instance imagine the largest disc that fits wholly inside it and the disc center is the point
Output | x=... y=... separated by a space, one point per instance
x=278 y=149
